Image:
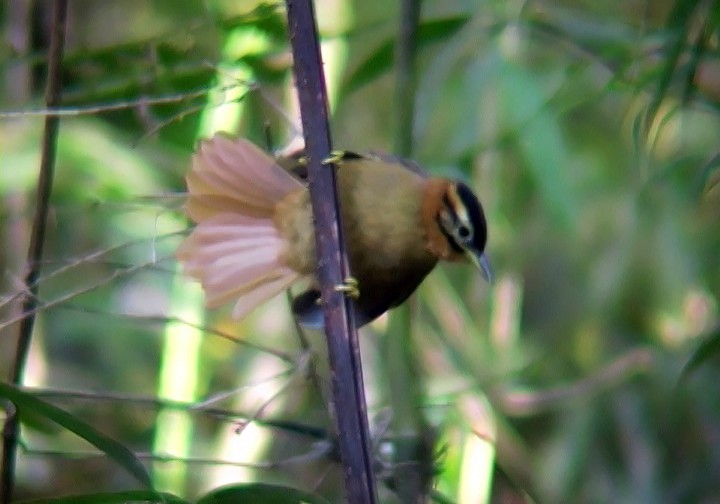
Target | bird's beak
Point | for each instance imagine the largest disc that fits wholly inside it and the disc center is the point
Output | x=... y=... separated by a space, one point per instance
x=480 y=260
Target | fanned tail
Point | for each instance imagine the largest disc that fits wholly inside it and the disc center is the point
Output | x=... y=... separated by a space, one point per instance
x=235 y=249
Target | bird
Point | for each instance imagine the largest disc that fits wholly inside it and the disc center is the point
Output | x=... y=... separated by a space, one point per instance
x=254 y=234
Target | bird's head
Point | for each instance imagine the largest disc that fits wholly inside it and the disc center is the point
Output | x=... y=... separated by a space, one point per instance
x=460 y=220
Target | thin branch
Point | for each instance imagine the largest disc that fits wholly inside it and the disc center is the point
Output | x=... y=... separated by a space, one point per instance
x=288 y=426
x=317 y=452
x=204 y=328
x=99 y=108
x=89 y=258
x=37 y=239
x=312 y=373
x=37 y=305
x=344 y=354
x=520 y=404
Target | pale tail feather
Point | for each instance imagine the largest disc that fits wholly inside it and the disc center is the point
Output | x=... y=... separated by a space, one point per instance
x=273 y=181
x=234 y=175
x=237 y=257
x=235 y=249
x=262 y=293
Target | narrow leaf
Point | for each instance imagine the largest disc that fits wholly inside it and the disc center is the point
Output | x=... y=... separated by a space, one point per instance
x=709 y=347
x=678 y=27
x=706 y=174
x=260 y=493
x=382 y=59
x=132 y=496
x=29 y=405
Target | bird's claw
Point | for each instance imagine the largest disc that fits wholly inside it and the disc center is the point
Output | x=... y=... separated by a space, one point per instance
x=349 y=287
x=335 y=157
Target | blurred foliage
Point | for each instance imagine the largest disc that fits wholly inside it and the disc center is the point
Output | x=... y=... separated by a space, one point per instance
x=590 y=131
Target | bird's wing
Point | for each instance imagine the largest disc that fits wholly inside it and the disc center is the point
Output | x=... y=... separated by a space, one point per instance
x=397 y=161
x=297 y=165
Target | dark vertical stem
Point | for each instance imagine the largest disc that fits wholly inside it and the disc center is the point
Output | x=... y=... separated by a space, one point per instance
x=347 y=382
x=37 y=239
x=18 y=77
x=405 y=76
x=412 y=439
x=15 y=92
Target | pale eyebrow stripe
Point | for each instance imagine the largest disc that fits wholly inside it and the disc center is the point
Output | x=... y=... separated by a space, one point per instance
x=457 y=205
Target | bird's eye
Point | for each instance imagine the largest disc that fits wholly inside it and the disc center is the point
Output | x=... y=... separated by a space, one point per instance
x=463 y=231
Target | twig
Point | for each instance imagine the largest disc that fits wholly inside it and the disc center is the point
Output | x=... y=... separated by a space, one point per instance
x=223 y=414
x=344 y=354
x=520 y=404
x=317 y=452
x=89 y=258
x=99 y=108
x=38 y=306
x=37 y=239
x=312 y=372
x=204 y=328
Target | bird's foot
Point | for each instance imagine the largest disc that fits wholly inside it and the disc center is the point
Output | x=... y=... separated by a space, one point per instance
x=335 y=157
x=349 y=287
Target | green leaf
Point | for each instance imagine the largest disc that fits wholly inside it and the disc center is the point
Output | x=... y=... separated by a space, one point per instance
x=678 y=27
x=382 y=59
x=438 y=497
x=263 y=69
x=529 y=119
x=30 y=406
x=375 y=65
x=260 y=493
x=601 y=37
x=132 y=496
x=445 y=122
x=265 y=17
x=709 y=347
x=706 y=173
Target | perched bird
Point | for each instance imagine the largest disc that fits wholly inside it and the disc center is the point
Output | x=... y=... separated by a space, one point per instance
x=255 y=238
